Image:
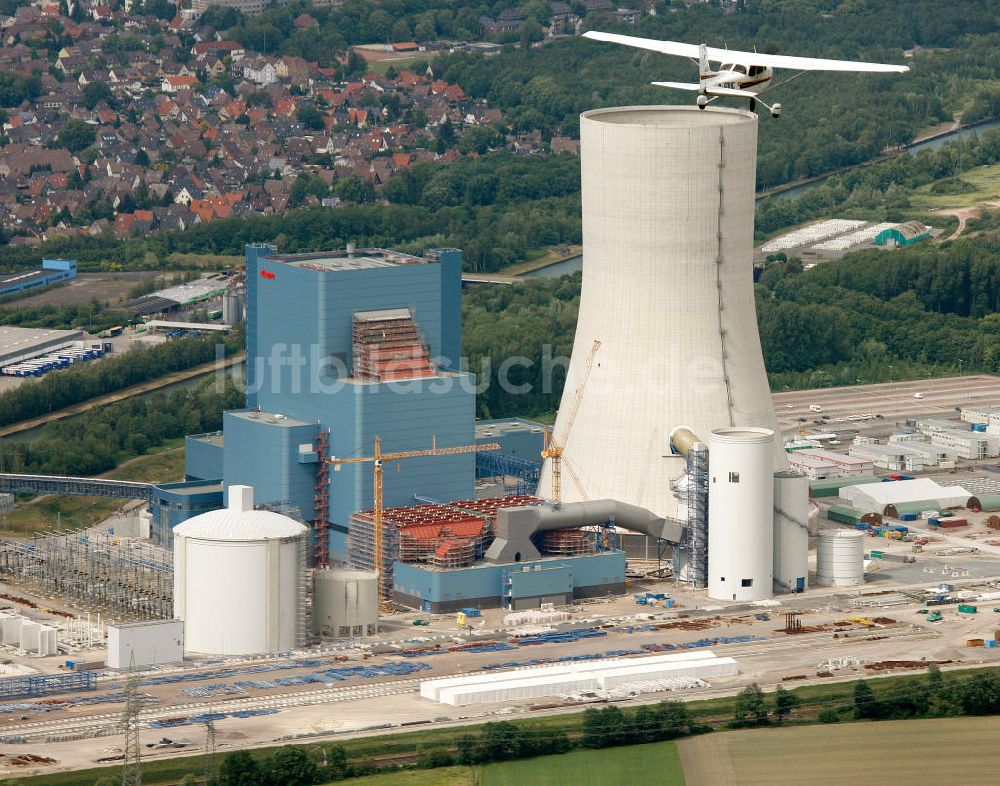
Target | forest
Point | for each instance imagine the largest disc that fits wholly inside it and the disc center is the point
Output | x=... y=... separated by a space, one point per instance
x=98 y=440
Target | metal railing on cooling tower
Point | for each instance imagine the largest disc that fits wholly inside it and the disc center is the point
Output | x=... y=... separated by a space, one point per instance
x=68 y=486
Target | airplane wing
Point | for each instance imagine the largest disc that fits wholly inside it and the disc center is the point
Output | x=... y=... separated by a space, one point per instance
x=746 y=58
x=677 y=85
x=709 y=89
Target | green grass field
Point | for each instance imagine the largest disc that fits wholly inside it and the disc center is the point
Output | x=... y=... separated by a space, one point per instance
x=985 y=181
x=608 y=767
x=162 y=464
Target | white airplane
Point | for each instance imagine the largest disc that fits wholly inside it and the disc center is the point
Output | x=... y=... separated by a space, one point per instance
x=742 y=74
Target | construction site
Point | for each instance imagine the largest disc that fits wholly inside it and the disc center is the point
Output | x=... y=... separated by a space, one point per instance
x=353 y=536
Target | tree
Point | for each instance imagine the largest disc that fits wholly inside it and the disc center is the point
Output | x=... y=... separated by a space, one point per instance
x=981 y=694
x=675 y=720
x=95 y=92
x=310 y=117
x=292 y=766
x=76 y=135
x=828 y=715
x=239 y=768
x=865 y=703
x=784 y=703
x=750 y=706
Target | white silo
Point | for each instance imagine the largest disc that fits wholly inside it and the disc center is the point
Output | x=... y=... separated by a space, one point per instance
x=740 y=513
x=345 y=603
x=791 y=531
x=840 y=558
x=240 y=579
x=668 y=207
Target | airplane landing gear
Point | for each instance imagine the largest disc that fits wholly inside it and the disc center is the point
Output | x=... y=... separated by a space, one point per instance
x=775 y=109
x=702 y=101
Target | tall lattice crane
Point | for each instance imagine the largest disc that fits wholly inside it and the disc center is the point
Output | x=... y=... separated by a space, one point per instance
x=378 y=459
x=554 y=450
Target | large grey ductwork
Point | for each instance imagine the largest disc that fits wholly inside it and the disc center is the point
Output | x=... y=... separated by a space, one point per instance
x=515 y=526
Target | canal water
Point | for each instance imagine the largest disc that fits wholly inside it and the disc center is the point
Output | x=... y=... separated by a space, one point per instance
x=929 y=144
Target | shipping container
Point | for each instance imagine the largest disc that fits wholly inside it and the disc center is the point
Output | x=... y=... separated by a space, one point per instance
x=967 y=609
x=952 y=523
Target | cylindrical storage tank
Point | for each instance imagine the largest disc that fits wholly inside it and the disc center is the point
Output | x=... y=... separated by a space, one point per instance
x=239 y=579
x=791 y=531
x=740 y=513
x=232 y=308
x=668 y=209
x=345 y=603
x=840 y=558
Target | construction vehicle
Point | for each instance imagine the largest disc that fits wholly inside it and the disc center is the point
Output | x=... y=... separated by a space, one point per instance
x=554 y=450
x=934 y=616
x=377 y=460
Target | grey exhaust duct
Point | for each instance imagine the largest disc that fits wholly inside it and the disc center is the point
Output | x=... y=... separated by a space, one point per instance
x=515 y=526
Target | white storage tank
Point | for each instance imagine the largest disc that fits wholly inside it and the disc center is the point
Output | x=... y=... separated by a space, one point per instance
x=840 y=558
x=240 y=579
x=345 y=603
x=740 y=513
x=791 y=531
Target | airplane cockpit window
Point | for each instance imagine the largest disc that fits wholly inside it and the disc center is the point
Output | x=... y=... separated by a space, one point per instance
x=756 y=70
x=740 y=69
x=726 y=67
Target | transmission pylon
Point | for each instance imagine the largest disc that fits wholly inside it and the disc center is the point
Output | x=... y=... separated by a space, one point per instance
x=211 y=753
x=131 y=764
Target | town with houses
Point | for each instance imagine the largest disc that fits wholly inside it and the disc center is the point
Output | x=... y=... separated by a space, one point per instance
x=131 y=124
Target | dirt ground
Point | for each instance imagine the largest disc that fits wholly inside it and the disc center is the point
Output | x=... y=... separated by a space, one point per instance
x=945 y=751
x=103 y=286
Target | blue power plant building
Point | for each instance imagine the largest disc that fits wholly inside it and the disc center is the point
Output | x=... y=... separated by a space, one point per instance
x=345 y=347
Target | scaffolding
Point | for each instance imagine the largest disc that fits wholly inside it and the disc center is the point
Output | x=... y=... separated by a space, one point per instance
x=97 y=572
x=387 y=345
x=321 y=501
x=567 y=543
x=692 y=492
x=416 y=535
x=453 y=553
x=525 y=472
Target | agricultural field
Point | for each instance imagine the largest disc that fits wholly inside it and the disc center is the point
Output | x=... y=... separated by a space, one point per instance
x=608 y=767
x=946 y=750
x=443 y=776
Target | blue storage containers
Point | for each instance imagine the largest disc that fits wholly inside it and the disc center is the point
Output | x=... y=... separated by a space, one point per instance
x=907 y=516
x=979 y=427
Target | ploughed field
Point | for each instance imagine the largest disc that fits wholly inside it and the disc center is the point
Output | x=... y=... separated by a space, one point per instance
x=932 y=751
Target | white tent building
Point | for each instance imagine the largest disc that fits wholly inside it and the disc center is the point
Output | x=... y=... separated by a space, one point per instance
x=874 y=497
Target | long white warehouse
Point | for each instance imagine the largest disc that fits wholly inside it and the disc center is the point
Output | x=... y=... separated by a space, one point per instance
x=573 y=677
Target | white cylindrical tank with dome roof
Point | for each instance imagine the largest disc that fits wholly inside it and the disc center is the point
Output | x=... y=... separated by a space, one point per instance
x=240 y=579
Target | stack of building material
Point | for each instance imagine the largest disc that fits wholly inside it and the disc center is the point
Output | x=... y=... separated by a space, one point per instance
x=540 y=616
x=567 y=678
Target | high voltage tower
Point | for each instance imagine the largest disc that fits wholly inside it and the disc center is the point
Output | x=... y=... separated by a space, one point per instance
x=211 y=752
x=131 y=764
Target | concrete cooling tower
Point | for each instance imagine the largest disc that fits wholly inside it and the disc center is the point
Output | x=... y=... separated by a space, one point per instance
x=667 y=331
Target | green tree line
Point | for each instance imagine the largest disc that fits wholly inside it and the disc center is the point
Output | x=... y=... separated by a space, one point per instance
x=98 y=440
x=82 y=381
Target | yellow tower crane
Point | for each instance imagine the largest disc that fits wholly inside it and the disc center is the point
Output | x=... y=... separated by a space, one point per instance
x=554 y=450
x=378 y=458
